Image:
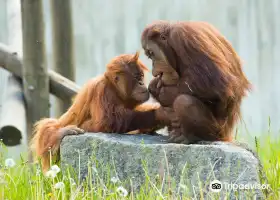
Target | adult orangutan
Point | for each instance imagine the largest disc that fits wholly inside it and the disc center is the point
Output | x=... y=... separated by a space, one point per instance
x=109 y=103
x=198 y=77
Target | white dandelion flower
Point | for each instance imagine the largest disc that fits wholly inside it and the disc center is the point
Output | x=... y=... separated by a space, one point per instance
x=55 y=168
x=59 y=185
x=9 y=162
x=115 y=179
x=122 y=191
x=72 y=182
x=50 y=174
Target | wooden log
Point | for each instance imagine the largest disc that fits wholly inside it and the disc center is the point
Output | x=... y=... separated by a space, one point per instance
x=59 y=85
x=62 y=40
x=13 y=116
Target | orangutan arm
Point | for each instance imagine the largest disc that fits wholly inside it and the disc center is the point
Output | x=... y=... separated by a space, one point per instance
x=142 y=120
x=123 y=120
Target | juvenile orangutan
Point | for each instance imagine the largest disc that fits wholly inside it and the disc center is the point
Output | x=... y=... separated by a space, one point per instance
x=110 y=103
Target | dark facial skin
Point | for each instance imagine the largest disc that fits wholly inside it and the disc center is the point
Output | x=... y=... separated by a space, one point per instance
x=164 y=86
x=161 y=65
x=140 y=92
x=130 y=83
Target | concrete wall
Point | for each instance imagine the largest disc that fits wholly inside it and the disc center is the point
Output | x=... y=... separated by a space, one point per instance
x=106 y=28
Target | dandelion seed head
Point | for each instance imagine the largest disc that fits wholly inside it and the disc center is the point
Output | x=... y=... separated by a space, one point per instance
x=55 y=168
x=9 y=162
x=59 y=185
x=122 y=191
x=50 y=174
x=114 y=179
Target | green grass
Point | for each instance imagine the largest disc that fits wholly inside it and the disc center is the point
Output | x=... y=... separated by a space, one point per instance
x=268 y=150
x=25 y=181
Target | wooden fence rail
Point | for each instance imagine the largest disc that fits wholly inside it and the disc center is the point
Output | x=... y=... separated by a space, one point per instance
x=60 y=86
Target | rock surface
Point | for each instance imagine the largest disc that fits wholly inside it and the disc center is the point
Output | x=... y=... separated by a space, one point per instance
x=132 y=157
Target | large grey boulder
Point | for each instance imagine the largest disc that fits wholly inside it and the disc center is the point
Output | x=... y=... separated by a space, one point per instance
x=184 y=168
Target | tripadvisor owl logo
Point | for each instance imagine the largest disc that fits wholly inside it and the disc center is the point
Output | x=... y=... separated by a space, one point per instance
x=215 y=186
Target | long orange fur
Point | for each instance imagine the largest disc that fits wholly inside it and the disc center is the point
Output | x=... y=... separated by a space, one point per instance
x=89 y=112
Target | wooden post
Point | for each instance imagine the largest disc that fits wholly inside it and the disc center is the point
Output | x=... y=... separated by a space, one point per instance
x=35 y=77
x=63 y=57
x=13 y=120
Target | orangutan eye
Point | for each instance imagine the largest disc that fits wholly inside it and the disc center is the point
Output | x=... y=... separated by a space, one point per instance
x=150 y=54
x=162 y=37
x=139 y=76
